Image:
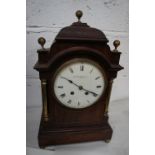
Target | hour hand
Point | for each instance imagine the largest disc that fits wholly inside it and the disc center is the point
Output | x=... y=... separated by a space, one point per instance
x=94 y=94
x=91 y=92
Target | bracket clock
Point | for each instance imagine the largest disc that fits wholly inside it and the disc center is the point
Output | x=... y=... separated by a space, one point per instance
x=76 y=75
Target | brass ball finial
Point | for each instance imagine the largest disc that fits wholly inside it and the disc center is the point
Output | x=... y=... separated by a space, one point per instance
x=116 y=43
x=79 y=14
x=42 y=41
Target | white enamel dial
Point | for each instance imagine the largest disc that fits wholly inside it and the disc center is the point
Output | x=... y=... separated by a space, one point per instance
x=79 y=83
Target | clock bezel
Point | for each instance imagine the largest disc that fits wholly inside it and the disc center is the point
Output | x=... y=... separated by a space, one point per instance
x=80 y=59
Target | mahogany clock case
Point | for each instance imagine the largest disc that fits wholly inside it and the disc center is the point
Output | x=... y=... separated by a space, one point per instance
x=67 y=125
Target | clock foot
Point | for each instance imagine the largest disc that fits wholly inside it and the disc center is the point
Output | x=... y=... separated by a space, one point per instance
x=107 y=141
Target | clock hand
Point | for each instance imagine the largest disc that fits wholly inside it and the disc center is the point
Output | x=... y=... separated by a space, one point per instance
x=70 y=81
x=66 y=79
x=80 y=87
x=90 y=92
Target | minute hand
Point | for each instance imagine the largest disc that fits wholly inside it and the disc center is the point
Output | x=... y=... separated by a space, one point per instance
x=70 y=81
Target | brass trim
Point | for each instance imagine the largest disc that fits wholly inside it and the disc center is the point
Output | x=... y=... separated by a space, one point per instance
x=44 y=99
x=108 y=97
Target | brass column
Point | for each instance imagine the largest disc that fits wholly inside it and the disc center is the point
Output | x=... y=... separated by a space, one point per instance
x=44 y=99
x=108 y=97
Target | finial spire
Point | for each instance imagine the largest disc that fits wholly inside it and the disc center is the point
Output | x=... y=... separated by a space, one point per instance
x=116 y=43
x=79 y=14
x=42 y=41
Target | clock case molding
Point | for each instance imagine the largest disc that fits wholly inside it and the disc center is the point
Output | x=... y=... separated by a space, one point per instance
x=62 y=125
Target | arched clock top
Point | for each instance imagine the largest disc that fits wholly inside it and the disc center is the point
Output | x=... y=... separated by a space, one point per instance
x=108 y=60
x=82 y=51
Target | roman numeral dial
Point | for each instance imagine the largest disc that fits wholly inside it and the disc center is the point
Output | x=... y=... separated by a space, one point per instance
x=79 y=83
x=82 y=68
